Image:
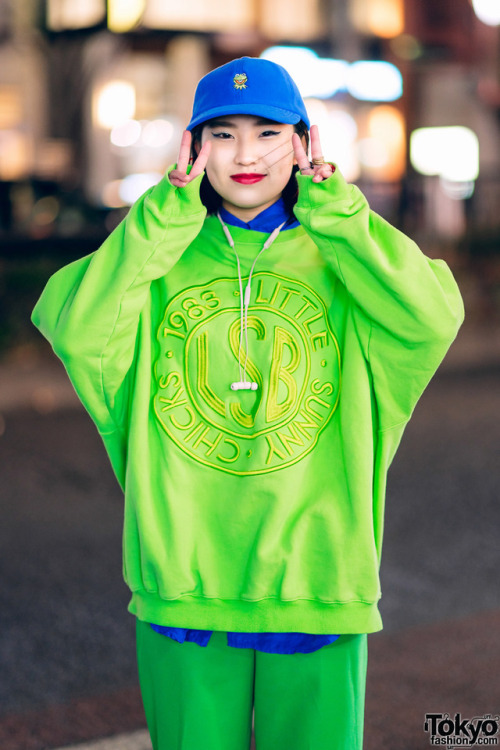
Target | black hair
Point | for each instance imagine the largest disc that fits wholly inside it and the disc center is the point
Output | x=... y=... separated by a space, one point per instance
x=212 y=200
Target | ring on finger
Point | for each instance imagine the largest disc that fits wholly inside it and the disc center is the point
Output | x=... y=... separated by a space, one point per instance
x=319 y=160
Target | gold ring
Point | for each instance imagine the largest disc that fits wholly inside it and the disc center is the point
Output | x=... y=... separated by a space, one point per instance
x=320 y=160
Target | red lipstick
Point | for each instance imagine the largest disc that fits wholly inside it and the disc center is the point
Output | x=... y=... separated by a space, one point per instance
x=245 y=178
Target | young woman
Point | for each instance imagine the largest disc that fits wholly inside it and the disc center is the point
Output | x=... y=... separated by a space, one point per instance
x=251 y=342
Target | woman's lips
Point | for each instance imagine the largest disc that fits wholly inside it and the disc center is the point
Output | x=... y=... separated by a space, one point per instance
x=247 y=179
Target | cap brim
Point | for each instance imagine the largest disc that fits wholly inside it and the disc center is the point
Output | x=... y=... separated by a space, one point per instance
x=263 y=110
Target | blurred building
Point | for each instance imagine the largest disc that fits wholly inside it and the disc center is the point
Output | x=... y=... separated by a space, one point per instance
x=94 y=96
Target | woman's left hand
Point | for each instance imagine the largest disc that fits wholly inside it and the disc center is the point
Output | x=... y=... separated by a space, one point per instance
x=320 y=171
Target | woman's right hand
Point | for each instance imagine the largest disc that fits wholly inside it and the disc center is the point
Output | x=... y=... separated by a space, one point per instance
x=179 y=176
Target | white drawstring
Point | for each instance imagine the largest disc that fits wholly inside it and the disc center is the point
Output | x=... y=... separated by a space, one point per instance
x=245 y=301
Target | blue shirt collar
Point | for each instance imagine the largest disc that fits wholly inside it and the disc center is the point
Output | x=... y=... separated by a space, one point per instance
x=266 y=221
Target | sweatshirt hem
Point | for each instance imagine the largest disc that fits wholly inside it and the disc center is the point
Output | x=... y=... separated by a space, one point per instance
x=263 y=616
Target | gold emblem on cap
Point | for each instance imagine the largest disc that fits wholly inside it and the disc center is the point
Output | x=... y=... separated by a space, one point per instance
x=240 y=81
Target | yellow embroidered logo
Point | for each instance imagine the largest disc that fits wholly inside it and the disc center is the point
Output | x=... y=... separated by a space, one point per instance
x=293 y=357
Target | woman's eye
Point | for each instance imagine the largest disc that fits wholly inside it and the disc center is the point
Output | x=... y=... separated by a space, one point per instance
x=270 y=132
x=222 y=136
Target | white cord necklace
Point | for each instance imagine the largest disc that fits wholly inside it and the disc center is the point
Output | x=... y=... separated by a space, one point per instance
x=243 y=383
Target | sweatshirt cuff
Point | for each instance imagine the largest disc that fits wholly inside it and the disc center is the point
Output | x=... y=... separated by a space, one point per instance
x=334 y=188
x=165 y=197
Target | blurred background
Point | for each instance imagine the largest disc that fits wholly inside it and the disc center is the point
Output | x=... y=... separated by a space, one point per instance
x=94 y=96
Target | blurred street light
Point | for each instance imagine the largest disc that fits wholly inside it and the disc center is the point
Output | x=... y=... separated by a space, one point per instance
x=126 y=134
x=114 y=104
x=338 y=132
x=123 y=16
x=488 y=11
x=374 y=81
x=450 y=152
x=198 y=15
x=157 y=133
x=323 y=77
x=11 y=107
x=314 y=76
x=382 y=18
x=74 y=14
x=16 y=154
x=384 y=150
x=134 y=185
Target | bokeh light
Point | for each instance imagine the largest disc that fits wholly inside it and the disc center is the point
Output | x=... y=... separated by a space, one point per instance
x=314 y=76
x=323 y=77
x=123 y=15
x=451 y=152
x=406 y=47
x=386 y=128
x=74 y=14
x=157 y=133
x=15 y=154
x=134 y=185
x=338 y=132
x=111 y=194
x=126 y=134
x=373 y=153
x=488 y=11
x=383 y=18
x=374 y=81
x=45 y=210
x=114 y=104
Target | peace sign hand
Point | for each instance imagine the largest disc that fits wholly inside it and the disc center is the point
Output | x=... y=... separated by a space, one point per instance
x=320 y=171
x=179 y=176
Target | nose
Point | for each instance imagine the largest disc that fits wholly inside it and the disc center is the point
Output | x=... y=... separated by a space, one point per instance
x=246 y=153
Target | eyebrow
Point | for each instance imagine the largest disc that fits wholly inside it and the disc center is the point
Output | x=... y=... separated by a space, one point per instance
x=217 y=123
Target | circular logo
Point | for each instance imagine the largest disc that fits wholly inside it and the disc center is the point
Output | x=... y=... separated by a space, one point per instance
x=287 y=348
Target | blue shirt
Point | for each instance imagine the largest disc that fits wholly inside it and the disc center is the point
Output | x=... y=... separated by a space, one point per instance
x=271 y=643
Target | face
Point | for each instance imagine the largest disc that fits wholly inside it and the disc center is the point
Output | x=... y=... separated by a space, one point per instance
x=250 y=162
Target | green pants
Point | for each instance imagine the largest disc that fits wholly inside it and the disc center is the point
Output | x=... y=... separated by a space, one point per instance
x=202 y=698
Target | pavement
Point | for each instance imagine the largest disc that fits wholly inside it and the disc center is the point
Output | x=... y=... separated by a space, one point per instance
x=134 y=741
x=66 y=661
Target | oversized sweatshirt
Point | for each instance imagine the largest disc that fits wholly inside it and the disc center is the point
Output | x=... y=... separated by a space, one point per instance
x=276 y=215
x=254 y=510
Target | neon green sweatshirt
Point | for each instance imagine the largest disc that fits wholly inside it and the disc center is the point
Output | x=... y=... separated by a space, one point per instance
x=252 y=511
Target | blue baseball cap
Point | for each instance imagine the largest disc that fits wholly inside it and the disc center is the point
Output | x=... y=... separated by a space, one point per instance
x=248 y=86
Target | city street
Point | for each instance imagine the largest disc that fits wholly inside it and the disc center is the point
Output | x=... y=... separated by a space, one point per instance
x=121 y=122
x=67 y=660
